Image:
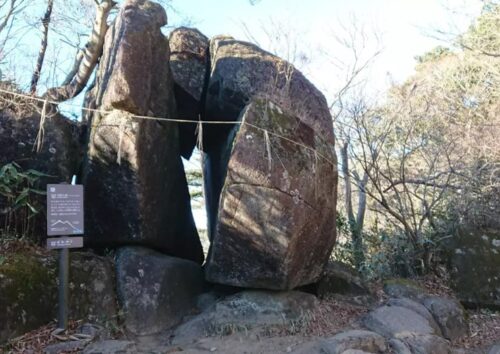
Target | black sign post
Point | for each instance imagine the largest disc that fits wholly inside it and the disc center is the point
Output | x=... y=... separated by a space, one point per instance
x=64 y=218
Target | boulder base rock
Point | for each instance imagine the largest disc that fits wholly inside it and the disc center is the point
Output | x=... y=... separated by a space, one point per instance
x=136 y=189
x=155 y=291
x=247 y=310
x=29 y=291
x=275 y=225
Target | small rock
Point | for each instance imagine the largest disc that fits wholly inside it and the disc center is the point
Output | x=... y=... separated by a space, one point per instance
x=398 y=347
x=111 y=347
x=355 y=340
x=424 y=343
x=64 y=347
x=391 y=321
x=494 y=349
x=416 y=307
x=93 y=331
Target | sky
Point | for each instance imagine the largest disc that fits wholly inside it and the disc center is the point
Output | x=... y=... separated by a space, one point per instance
x=400 y=29
x=305 y=32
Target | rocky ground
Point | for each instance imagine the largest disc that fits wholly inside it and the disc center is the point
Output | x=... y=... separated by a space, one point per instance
x=400 y=316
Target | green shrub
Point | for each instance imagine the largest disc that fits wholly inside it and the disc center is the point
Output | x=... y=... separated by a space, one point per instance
x=19 y=204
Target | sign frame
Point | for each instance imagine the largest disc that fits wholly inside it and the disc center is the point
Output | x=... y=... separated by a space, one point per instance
x=65 y=210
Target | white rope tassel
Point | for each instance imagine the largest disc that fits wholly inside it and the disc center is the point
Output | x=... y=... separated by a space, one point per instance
x=166 y=119
x=41 y=129
x=315 y=170
x=120 y=141
x=199 y=131
x=268 y=150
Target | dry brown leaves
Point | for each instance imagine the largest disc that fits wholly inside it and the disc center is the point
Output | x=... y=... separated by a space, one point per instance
x=16 y=105
x=333 y=316
x=35 y=341
x=484 y=329
x=435 y=285
x=21 y=246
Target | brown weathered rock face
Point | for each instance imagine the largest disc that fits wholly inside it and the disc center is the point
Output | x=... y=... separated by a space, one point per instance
x=189 y=64
x=275 y=226
x=270 y=202
x=188 y=60
x=241 y=71
x=136 y=190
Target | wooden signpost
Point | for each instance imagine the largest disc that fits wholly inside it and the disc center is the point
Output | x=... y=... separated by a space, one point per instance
x=64 y=219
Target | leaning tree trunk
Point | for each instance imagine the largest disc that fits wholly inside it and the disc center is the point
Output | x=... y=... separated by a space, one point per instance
x=86 y=60
x=43 y=47
x=355 y=223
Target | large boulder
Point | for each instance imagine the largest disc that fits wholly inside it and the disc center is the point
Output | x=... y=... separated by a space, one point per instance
x=28 y=290
x=274 y=226
x=156 y=291
x=58 y=155
x=474 y=261
x=136 y=189
x=189 y=63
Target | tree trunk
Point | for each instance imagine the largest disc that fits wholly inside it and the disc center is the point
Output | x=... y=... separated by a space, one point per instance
x=87 y=59
x=43 y=47
x=355 y=227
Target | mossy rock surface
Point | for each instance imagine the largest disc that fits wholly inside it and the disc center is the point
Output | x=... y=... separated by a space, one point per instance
x=28 y=291
x=474 y=263
x=402 y=287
